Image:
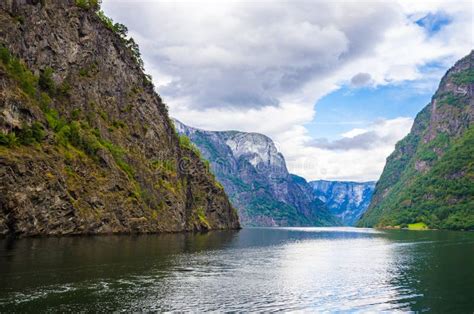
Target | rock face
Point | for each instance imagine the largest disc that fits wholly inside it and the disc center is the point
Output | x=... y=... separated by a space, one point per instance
x=346 y=200
x=430 y=176
x=255 y=177
x=86 y=145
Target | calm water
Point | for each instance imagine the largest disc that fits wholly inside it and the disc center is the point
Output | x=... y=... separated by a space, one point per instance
x=253 y=269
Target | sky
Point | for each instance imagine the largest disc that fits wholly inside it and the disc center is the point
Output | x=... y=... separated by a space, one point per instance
x=334 y=83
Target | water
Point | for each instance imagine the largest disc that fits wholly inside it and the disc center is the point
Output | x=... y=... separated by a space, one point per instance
x=281 y=269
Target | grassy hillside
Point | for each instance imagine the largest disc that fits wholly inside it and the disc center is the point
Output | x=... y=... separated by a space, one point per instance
x=430 y=176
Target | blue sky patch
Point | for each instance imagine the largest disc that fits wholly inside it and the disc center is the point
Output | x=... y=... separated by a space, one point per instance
x=434 y=22
x=349 y=108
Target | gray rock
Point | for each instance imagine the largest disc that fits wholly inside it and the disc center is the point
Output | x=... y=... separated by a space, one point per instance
x=255 y=177
x=346 y=200
x=120 y=188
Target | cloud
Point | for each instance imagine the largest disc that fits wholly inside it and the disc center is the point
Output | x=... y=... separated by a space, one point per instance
x=261 y=66
x=361 y=79
x=241 y=54
x=380 y=133
x=354 y=132
x=360 y=157
x=363 y=141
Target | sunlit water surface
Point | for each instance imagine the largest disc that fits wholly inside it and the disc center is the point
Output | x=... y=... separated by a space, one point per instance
x=259 y=269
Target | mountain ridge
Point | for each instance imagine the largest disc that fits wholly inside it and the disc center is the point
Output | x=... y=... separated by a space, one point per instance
x=86 y=145
x=255 y=176
x=347 y=200
x=429 y=177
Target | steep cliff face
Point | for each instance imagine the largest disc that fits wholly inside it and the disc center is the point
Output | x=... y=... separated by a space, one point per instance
x=86 y=145
x=430 y=176
x=346 y=200
x=255 y=177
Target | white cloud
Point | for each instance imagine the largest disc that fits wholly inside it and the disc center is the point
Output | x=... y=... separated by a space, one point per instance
x=261 y=66
x=354 y=132
x=358 y=157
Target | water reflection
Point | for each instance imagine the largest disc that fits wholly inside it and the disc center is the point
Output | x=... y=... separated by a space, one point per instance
x=254 y=269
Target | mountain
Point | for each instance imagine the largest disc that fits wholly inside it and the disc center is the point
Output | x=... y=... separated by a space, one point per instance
x=346 y=200
x=86 y=145
x=429 y=178
x=255 y=177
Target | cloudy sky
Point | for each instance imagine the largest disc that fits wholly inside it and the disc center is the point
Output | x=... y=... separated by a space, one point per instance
x=334 y=83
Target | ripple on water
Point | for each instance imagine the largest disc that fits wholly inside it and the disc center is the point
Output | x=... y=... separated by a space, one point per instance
x=287 y=269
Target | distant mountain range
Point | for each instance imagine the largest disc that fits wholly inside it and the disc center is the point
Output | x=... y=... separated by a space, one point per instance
x=255 y=177
x=346 y=200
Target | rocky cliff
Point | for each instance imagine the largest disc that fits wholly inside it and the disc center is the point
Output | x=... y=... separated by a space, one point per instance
x=86 y=145
x=346 y=200
x=429 y=178
x=255 y=177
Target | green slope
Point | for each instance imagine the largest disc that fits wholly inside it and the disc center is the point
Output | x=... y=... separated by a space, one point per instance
x=429 y=178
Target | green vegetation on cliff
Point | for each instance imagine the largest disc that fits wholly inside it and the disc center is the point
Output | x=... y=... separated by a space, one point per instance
x=429 y=178
x=86 y=145
x=67 y=131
